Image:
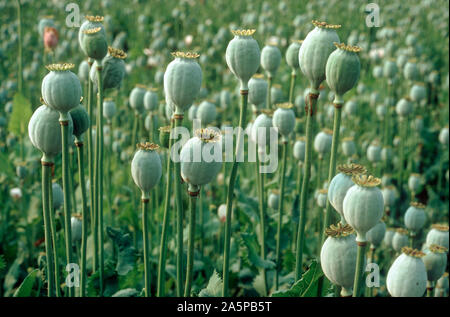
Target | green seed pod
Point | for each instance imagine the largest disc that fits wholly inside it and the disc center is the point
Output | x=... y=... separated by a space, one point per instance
x=243 y=56
x=435 y=262
x=76 y=226
x=315 y=50
x=192 y=112
x=404 y=107
x=109 y=108
x=182 y=80
x=377 y=71
x=137 y=98
x=363 y=205
x=374 y=152
x=83 y=71
x=443 y=136
x=276 y=94
x=151 y=99
x=389 y=196
x=257 y=90
x=415 y=183
x=270 y=59
x=90 y=23
x=338 y=257
x=322 y=142
x=407 y=277
x=387 y=154
x=274 y=199
x=381 y=111
x=80 y=119
x=58 y=196
x=411 y=71
x=146 y=168
x=390 y=69
x=322 y=198
x=438 y=235
x=292 y=54
x=340 y=184
x=376 y=235
x=284 y=120
x=45 y=132
x=350 y=107
x=299 y=150
x=61 y=89
x=201 y=158
x=418 y=92
x=400 y=239
x=164 y=136
x=342 y=70
x=415 y=217
x=225 y=99
x=94 y=43
x=113 y=69
x=348 y=146
x=206 y=112
x=388 y=236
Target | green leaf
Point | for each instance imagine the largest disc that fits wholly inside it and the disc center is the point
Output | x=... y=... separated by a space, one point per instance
x=5 y=165
x=20 y=116
x=250 y=242
x=126 y=258
x=26 y=287
x=2 y=263
x=128 y=292
x=306 y=286
x=214 y=288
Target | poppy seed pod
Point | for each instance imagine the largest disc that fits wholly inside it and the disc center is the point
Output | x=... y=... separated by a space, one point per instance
x=260 y=132
x=292 y=54
x=201 y=158
x=284 y=119
x=270 y=59
x=338 y=257
x=182 y=80
x=407 y=276
x=374 y=152
x=45 y=132
x=386 y=153
x=388 y=237
x=109 y=108
x=146 y=168
x=94 y=43
x=76 y=226
x=322 y=198
x=274 y=199
x=363 y=205
x=137 y=98
x=377 y=71
x=404 y=107
x=83 y=71
x=315 y=50
x=90 y=23
x=350 y=107
x=58 y=196
x=151 y=99
x=381 y=111
x=389 y=196
x=376 y=235
x=80 y=120
x=164 y=136
x=435 y=262
x=299 y=150
x=411 y=71
x=322 y=142
x=415 y=183
x=340 y=184
x=276 y=94
x=206 y=112
x=257 y=90
x=438 y=235
x=192 y=112
x=415 y=217
x=342 y=70
x=348 y=146
x=390 y=69
x=225 y=99
x=443 y=136
x=61 y=89
x=113 y=69
x=243 y=56
x=400 y=239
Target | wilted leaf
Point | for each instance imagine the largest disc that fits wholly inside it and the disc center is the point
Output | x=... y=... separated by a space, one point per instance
x=214 y=288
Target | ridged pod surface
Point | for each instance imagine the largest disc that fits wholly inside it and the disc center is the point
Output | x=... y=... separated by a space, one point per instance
x=376 y=235
x=257 y=91
x=415 y=217
x=292 y=54
x=263 y=122
x=80 y=119
x=438 y=235
x=270 y=59
x=284 y=119
x=435 y=262
x=113 y=69
x=90 y=23
x=146 y=168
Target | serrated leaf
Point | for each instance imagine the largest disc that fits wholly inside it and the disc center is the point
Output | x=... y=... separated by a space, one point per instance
x=26 y=287
x=249 y=241
x=126 y=257
x=306 y=286
x=20 y=115
x=214 y=288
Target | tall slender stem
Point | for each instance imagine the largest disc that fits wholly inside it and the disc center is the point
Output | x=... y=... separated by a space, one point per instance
x=239 y=149
x=20 y=51
x=162 y=248
x=280 y=213
x=179 y=202
x=269 y=92
x=262 y=224
x=305 y=185
x=64 y=122
x=292 y=86
x=190 y=256
x=54 y=237
x=46 y=170
x=145 y=231
x=84 y=214
x=359 y=272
